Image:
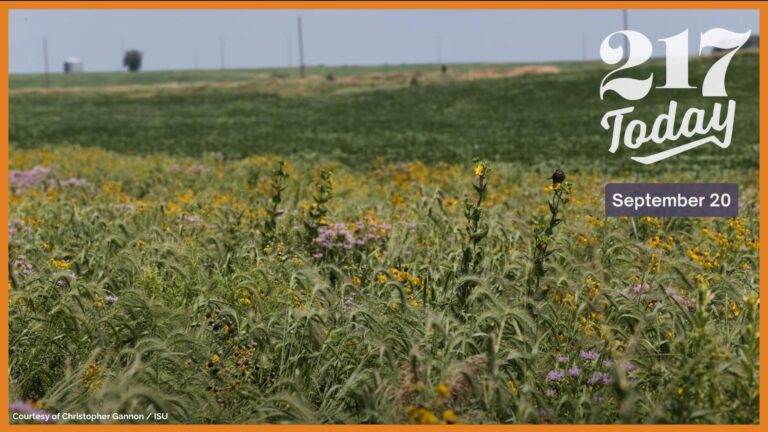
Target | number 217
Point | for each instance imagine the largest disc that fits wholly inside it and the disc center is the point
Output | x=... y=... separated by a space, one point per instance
x=640 y=50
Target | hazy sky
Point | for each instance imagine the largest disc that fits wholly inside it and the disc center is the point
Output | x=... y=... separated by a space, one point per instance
x=173 y=39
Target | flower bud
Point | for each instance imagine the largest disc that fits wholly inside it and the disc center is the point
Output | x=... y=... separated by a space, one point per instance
x=558 y=176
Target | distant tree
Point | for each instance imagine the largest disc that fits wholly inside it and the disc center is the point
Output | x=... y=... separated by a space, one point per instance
x=132 y=60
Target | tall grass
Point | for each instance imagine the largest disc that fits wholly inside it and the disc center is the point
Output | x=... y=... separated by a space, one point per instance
x=144 y=283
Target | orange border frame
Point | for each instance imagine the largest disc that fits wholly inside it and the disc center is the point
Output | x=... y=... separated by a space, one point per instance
x=436 y=5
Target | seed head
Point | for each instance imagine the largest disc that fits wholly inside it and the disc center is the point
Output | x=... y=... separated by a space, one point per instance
x=558 y=176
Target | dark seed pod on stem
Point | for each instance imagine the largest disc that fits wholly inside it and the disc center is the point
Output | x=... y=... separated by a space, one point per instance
x=558 y=176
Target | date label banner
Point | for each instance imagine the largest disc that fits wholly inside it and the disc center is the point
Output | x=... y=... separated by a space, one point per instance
x=672 y=199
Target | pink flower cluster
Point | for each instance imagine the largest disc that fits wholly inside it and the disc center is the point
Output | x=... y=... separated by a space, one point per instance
x=339 y=238
x=23 y=179
x=15 y=226
x=38 y=175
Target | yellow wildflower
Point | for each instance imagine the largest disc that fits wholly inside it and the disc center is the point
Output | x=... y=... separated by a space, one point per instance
x=443 y=391
x=512 y=387
x=450 y=416
x=58 y=264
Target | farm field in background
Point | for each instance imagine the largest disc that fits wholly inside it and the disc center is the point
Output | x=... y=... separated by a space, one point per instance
x=528 y=119
x=327 y=251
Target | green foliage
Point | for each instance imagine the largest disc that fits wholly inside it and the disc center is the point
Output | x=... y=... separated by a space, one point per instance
x=163 y=299
x=277 y=185
x=317 y=213
x=544 y=230
x=538 y=119
x=159 y=276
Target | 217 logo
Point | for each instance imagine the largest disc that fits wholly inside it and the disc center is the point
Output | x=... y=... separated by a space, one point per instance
x=693 y=126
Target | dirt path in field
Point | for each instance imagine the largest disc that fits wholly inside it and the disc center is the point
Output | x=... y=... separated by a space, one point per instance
x=295 y=86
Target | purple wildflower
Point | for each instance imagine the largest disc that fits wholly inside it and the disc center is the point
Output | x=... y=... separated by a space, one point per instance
x=349 y=303
x=630 y=367
x=574 y=371
x=111 y=299
x=14 y=226
x=22 y=266
x=66 y=279
x=600 y=377
x=555 y=375
x=23 y=179
x=608 y=363
x=340 y=239
x=589 y=355
x=27 y=409
x=562 y=359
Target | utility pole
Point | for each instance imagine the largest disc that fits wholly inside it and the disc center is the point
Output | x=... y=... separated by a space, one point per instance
x=626 y=27
x=222 y=52
x=301 y=50
x=45 y=60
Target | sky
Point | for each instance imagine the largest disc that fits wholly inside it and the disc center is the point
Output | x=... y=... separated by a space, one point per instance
x=188 y=39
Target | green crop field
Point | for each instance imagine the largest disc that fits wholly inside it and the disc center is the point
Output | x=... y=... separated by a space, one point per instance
x=550 y=118
x=255 y=247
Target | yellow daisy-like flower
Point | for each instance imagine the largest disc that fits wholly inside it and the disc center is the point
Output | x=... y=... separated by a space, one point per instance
x=58 y=264
x=421 y=415
x=480 y=170
x=443 y=391
x=450 y=416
